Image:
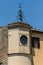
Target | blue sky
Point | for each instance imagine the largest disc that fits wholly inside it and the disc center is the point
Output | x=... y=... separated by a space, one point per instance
x=32 y=9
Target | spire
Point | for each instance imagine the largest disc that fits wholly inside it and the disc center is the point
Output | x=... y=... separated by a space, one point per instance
x=20 y=13
x=21 y=17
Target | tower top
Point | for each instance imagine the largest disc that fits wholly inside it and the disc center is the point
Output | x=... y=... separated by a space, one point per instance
x=19 y=21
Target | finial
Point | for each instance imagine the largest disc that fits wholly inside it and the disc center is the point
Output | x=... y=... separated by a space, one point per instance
x=20 y=13
x=20 y=17
x=20 y=5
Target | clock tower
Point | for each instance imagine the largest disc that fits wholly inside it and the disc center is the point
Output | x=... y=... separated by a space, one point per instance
x=19 y=42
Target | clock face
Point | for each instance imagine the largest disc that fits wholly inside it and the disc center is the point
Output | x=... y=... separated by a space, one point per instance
x=23 y=39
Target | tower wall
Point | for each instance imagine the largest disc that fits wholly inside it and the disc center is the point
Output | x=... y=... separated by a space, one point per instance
x=19 y=54
x=14 y=44
x=19 y=60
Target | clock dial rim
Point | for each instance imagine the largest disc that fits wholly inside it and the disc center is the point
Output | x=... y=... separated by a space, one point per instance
x=23 y=39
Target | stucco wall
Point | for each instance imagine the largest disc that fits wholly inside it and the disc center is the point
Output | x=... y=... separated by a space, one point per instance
x=3 y=46
x=18 y=60
x=13 y=41
x=14 y=44
x=38 y=52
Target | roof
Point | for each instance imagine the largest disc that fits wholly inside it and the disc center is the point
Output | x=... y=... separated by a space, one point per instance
x=37 y=31
x=22 y=25
x=19 y=24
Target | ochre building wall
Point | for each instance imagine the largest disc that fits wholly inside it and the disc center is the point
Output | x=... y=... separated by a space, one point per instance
x=38 y=52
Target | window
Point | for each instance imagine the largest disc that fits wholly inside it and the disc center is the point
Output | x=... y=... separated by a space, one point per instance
x=35 y=42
